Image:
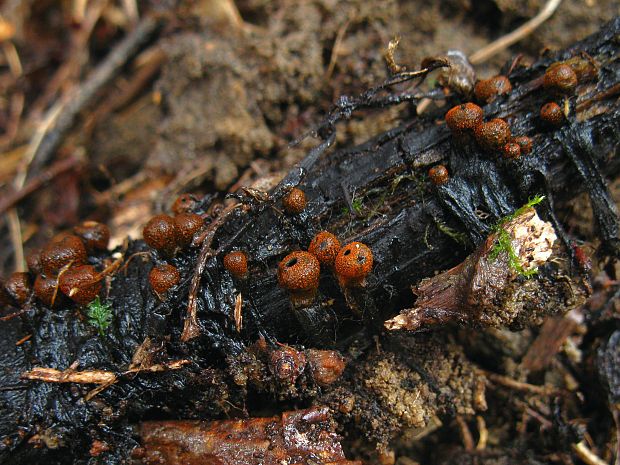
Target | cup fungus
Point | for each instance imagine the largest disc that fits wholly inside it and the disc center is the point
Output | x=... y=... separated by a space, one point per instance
x=493 y=134
x=160 y=233
x=512 y=150
x=45 y=288
x=325 y=247
x=464 y=117
x=560 y=78
x=299 y=273
x=353 y=264
x=439 y=175
x=326 y=366
x=19 y=287
x=487 y=90
x=236 y=263
x=552 y=114
x=525 y=144
x=94 y=235
x=294 y=201
x=287 y=363
x=81 y=283
x=68 y=249
x=184 y=203
x=163 y=277
x=187 y=225
x=34 y=262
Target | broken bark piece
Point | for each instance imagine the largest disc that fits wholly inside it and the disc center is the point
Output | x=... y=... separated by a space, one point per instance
x=300 y=437
x=489 y=288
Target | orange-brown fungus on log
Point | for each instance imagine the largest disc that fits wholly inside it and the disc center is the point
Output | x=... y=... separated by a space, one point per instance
x=560 y=78
x=464 y=117
x=525 y=144
x=487 y=290
x=295 y=201
x=551 y=113
x=160 y=233
x=58 y=253
x=353 y=263
x=19 y=287
x=493 y=134
x=299 y=273
x=439 y=175
x=287 y=363
x=302 y=437
x=326 y=366
x=184 y=204
x=487 y=90
x=236 y=263
x=94 y=235
x=187 y=225
x=325 y=246
x=163 y=277
x=81 y=283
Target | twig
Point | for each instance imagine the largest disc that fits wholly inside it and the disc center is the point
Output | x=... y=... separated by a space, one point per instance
x=519 y=33
x=519 y=386
x=466 y=437
x=483 y=433
x=11 y=199
x=238 y=312
x=586 y=454
x=336 y=48
x=83 y=95
x=16 y=239
x=191 y=328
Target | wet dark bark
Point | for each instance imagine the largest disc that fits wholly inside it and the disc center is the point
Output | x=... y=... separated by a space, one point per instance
x=409 y=224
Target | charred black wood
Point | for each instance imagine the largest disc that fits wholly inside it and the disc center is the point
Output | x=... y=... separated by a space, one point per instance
x=413 y=228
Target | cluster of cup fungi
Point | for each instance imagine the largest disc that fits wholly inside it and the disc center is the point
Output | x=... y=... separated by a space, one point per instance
x=466 y=120
x=61 y=269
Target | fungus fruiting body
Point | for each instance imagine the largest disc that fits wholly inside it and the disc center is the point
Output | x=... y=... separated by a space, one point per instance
x=299 y=273
x=493 y=134
x=464 y=117
x=294 y=201
x=45 y=289
x=560 y=78
x=81 y=283
x=34 y=262
x=67 y=250
x=353 y=263
x=187 y=225
x=94 y=235
x=287 y=363
x=163 y=277
x=236 y=263
x=325 y=247
x=487 y=90
x=438 y=175
x=525 y=144
x=19 y=287
x=326 y=366
x=183 y=204
x=512 y=150
x=160 y=233
x=552 y=114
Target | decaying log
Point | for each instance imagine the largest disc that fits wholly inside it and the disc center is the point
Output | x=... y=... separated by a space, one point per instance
x=302 y=436
x=376 y=193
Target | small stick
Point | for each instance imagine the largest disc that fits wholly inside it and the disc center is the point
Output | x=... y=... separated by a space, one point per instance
x=483 y=433
x=191 y=328
x=585 y=454
x=519 y=386
x=519 y=33
x=84 y=94
x=468 y=439
x=11 y=199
